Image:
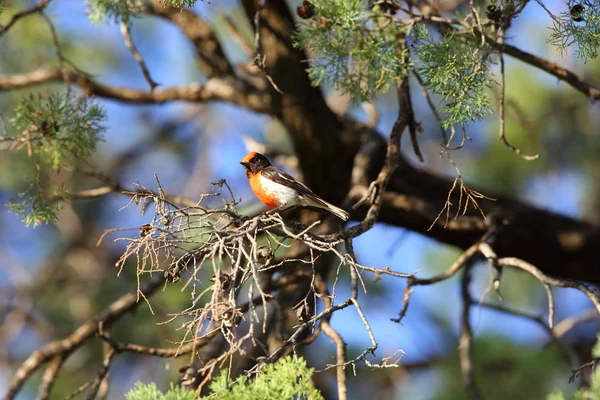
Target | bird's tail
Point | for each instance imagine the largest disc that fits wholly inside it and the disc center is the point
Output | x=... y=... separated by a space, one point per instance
x=338 y=212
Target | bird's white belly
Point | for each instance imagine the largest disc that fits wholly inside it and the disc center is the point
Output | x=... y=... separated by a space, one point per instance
x=284 y=195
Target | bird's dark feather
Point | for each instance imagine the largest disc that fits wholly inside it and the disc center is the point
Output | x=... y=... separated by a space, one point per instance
x=283 y=178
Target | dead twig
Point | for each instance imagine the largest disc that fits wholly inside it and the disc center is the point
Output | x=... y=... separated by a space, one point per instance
x=126 y=31
x=465 y=341
x=340 y=358
x=38 y=8
x=501 y=117
x=261 y=58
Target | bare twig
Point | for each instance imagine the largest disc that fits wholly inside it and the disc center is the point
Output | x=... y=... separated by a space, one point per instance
x=49 y=377
x=160 y=352
x=465 y=345
x=550 y=67
x=260 y=58
x=466 y=197
x=38 y=8
x=577 y=371
x=59 y=54
x=101 y=375
x=555 y=334
x=377 y=187
x=126 y=31
x=460 y=262
x=503 y=139
x=547 y=280
x=340 y=358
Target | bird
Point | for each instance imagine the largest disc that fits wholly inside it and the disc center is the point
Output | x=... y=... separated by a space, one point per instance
x=277 y=189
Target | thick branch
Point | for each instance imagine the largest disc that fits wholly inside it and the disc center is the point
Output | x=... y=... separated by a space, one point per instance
x=230 y=90
x=548 y=66
x=559 y=245
x=212 y=60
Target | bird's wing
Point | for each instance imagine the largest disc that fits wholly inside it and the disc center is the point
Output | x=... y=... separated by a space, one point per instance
x=311 y=200
x=283 y=178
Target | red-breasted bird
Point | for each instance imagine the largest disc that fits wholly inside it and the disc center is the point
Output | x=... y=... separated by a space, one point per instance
x=277 y=189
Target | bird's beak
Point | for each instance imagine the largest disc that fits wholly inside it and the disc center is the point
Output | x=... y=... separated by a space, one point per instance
x=245 y=164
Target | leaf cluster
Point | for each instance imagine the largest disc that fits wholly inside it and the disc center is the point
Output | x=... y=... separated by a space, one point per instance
x=58 y=130
x=33 y=209
x=180 y=3
x=289 y=378
x=123 y=10
x=354 y=48
x=115 y=10
x=59 y=126
x=579 y=25
x=454 y=68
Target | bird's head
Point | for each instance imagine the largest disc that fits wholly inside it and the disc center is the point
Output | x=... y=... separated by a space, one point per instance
x=254 y=162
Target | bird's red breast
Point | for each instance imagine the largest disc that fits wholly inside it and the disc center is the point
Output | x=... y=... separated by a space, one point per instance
x=262 y=192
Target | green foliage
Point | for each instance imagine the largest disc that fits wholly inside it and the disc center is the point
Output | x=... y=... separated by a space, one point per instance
x=60 y=126
x=454 y=69
x=116 y=10
x=33 y=209
x=352 y=48
x=180 y=3
x=123 y=10
x=150 y=391
x=290 y=378
x=579 y=25
x=58 y=130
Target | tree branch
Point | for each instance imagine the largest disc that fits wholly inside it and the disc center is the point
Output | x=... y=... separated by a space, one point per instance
x=64 y=347
x=550 y=67
x=340 y=357
x=212 y=61
x=126 y=31
x=216 y=89
x=38 y=8
x=414 y=197
x=465 y=341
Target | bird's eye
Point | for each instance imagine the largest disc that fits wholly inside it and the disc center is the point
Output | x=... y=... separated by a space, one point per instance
x=255 y=159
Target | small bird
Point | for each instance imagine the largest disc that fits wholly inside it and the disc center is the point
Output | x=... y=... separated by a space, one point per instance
x=277 y=189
